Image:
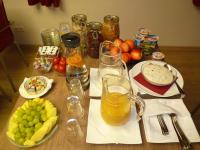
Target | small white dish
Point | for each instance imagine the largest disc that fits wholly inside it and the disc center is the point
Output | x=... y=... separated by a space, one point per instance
x=139 y=87
x=25 y=94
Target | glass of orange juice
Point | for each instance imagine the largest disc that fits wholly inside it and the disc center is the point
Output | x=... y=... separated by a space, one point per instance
x=117 y=99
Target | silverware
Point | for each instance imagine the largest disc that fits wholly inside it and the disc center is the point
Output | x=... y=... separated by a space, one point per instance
x=163 y=126
x=177 y=85
x=148 y=96
x=184 y=142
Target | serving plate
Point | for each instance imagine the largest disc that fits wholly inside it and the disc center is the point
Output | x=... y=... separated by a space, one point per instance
x=30 y=95
x=139 y=87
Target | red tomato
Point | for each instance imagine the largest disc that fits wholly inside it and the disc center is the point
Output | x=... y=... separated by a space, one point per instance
x=62 y=59
x=56 y=60
x=61 y=69
x=55 y=67
x=62 y=62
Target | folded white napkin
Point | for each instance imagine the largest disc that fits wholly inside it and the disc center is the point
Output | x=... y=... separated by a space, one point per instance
x=95 y=85
x=98 y=132
x=165 y=106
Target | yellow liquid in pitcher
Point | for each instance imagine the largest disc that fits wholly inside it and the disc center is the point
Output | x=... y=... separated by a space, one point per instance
x=115 y=108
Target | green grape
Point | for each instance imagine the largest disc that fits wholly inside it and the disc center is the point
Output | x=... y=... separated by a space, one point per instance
x=39 y=108
x=24 y=117
x=30 y=118
x=31 y=124
x=28 y=111
x=17 y=135
x=23 y=134
x=20 y=125
x=22 y=129
x=35 y=120
x=24 y=122
x=21 y=141
x=33 y=113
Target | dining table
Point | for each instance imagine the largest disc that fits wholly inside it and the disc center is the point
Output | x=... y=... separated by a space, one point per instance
x=58 y=96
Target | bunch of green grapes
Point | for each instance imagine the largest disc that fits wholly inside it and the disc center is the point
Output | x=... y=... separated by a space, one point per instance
x=29 y=120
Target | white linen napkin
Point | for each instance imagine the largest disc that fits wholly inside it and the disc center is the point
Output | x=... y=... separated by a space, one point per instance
x=95 y=85
x=98 y=132
x=152 y=128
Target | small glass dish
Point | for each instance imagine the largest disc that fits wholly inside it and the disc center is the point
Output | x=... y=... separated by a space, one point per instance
x=158 y=73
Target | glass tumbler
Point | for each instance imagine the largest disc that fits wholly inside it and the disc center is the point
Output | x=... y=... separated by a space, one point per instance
x=74 y=131
x=74 y=108
x=51 y=37
x=75 y=88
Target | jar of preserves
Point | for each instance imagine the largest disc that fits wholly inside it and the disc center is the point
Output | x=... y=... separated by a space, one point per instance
x=94 y=38
x=111 y=27
x=79 y=26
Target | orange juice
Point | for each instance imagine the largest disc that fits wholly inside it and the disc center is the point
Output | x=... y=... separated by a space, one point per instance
x=115 y=108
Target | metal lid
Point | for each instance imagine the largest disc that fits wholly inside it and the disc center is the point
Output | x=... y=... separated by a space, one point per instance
x=79 y=18
x=71 y=39
x=94 y=25
x=111 y=18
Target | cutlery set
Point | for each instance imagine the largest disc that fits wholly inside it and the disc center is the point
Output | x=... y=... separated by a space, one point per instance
x=184 y=142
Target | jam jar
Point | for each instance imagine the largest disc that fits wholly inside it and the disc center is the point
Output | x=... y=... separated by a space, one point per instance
x=94 y=38
x=79 y=25
x=110 y=29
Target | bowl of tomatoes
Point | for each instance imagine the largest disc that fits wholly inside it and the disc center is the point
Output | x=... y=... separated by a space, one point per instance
x=59 y=64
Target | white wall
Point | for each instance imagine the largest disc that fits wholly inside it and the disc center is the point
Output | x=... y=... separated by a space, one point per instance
x=177 y=22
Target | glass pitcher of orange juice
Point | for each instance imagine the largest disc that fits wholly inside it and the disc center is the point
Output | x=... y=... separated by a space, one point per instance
x=117 y=100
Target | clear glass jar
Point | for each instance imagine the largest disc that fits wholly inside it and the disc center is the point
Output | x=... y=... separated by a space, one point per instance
x=94 y=38
x=111 y=29
x=76 y=67
x=79 y=22
x=50 y=37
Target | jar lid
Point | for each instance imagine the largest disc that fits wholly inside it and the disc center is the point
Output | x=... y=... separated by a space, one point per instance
x=71 y=39
x=79 y=18
x=111 y=18
x=94 y=25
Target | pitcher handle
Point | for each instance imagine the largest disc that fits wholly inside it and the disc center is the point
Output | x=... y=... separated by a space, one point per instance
x=140 y=102
x=125 y=66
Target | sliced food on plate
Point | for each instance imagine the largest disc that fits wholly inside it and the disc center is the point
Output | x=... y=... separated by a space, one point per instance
x=35 y=85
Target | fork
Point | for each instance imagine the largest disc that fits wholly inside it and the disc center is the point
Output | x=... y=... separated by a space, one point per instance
x=177 y=85
x=162 y=124
x=184 y=142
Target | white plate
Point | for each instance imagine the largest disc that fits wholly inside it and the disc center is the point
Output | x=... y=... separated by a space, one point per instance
x=137 y=86
x=24 y=93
